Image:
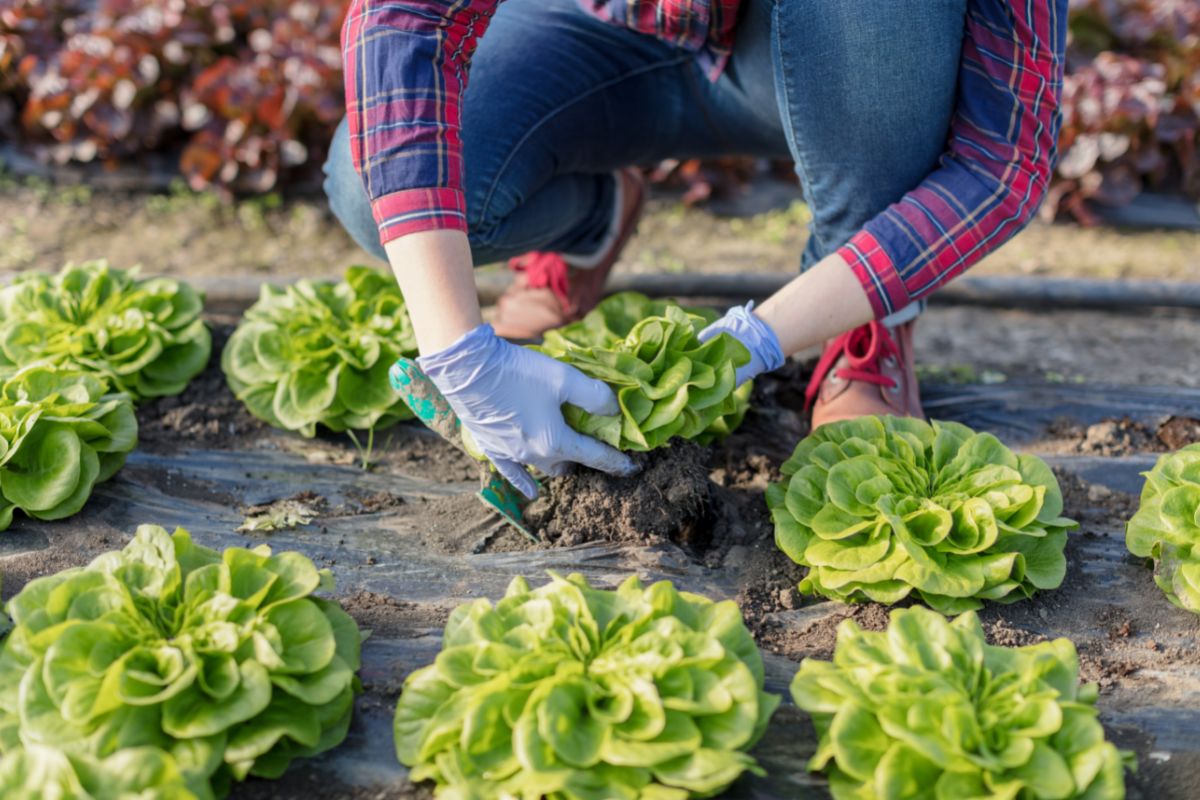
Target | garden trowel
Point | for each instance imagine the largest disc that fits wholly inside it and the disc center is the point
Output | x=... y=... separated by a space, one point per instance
x=429 y=406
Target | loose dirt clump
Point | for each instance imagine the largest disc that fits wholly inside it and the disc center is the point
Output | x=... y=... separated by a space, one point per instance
x=1179 y=432
x=1095 y=666
x=1110 y=437
x=669 y=499
x=1122 y=437
x=1002 y=633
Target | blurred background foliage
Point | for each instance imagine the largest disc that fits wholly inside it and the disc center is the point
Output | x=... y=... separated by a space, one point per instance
x=243 y=95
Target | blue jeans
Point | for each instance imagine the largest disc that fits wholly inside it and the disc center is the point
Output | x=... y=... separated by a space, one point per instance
x=859 y=93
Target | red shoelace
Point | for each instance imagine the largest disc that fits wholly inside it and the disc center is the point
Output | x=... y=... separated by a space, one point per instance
x=864 y=348
x=544 y=271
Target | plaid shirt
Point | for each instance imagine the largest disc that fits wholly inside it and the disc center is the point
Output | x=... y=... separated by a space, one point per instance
x=406 y=71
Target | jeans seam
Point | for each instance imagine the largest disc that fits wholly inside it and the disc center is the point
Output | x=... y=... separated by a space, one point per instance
x=789 y=127
x=642 y=70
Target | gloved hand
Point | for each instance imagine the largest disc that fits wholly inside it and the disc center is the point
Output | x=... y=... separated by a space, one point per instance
x=510 y=399
x=766 y=354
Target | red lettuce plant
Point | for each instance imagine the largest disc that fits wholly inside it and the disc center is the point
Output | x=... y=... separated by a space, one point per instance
x=1131 y=104
x=245 y=87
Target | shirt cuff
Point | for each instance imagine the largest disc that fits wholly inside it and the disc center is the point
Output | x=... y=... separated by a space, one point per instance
x=877 y=273
x=415 y=210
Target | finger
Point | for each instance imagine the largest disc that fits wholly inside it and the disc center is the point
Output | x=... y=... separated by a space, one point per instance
x=593 y=396
x=515 y=474
x=711 y=331
x=595 y=454
x=557 y=469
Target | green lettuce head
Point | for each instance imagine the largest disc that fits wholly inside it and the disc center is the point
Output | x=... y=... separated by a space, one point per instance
x=61 y=433
x=668 y=383
x=225 y=661
x=566 y=691
x=138 y=773
x=319 y=352
x=929 y=709
x=1166 y=526
x=880 y=507
x=145 y=336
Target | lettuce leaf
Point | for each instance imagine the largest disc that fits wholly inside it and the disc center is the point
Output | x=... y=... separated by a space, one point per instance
x=880 y=507
x=144 y=773
x=224 y=660
x=318 y=352
x=1166 y=526
x=61 y=433
x=928 y=709
x=143 y=335
x=567 y=691
x=667 y=382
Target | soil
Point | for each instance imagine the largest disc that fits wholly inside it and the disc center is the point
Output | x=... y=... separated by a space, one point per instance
x=386 y=616
x=1121 y=437
x=185 y=234
x=818 y=639
x=1179 y=432
x=409 y=541
x=205 y=414
x=1093 y=502
x=458 y=525
x=670 y=498
x=26 y=556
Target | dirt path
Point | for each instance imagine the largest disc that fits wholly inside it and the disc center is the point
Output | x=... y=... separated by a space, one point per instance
x=181 y=233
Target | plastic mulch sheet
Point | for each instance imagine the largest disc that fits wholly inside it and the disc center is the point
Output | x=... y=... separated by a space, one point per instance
x=1158 y=713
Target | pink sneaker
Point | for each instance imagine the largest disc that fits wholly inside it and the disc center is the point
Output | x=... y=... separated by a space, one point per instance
x=547 y=292
x=866 y=371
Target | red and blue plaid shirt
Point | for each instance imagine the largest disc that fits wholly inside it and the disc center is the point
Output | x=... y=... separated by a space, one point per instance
x=406 y=71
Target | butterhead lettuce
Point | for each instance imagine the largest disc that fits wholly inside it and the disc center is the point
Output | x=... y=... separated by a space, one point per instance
x=566 y=691
x=1166 y=526
x=318 y=352
x=138 y=773
x=667 y=382
x=928 y=709
x=879 y=508
x=227 y=662
x=143 y=335
x=61 y=433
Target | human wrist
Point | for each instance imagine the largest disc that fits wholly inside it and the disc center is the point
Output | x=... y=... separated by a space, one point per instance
x=759 y=337
x=461 y=359
x=816 y=305
x=435 y=274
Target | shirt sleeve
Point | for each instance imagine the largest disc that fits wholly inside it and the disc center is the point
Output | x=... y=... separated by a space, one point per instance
x=406 y=65
x=997 y=166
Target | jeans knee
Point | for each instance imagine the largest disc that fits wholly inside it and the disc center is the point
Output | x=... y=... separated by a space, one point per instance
x=337 y=164
x=348 y=197
x=490 y=201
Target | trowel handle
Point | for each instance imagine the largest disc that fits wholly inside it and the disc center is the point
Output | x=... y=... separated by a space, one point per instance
x=430 y=406
x=426 y=402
